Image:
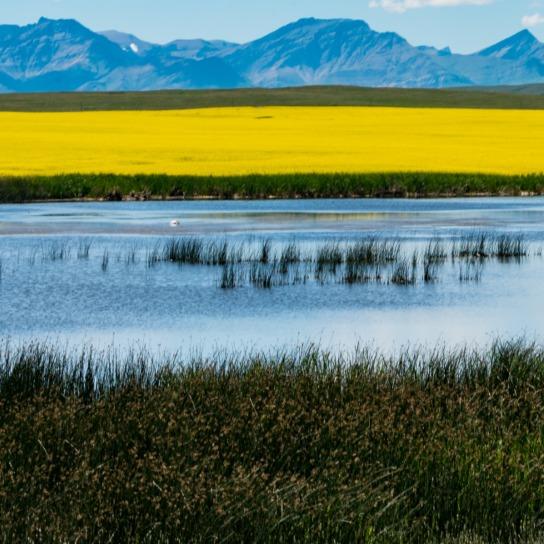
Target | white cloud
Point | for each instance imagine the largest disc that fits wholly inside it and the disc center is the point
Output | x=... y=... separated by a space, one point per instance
x=400 y=6
x=532 y=20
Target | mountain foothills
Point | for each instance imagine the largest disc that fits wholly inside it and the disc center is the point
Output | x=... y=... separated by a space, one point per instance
x=63 y=55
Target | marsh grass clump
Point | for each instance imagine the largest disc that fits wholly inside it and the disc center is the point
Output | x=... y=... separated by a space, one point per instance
x=84 y=249
x=289 y=255
x=105 y=260
x=373 y=251
x=301 y=273
x=264 y=255
x=154 y=255
x=328 y=258
x=220 y=254
x=59 y=250
x=230 y=276
x=184 y=250
x=365 y=260
x=435 y=252
x=510 y=247
x=295 y=446
x=430 y=271
x=472 y=246
x=404 y=272
x=483 y=246
x=435 y=255
x=198 y=251
x=361 y=273
x=31 y=258
x=131 y=256
x=261 y=275
x=470 y=271
x=275 y=274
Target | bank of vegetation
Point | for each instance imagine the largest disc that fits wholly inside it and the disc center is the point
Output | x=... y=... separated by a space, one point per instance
x=145 y=187
x=300 y=446
x=516 y=97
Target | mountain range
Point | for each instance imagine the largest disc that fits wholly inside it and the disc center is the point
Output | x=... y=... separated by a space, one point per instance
x=63 y=55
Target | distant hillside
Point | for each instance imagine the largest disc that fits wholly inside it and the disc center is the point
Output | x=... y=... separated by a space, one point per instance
x=63 y=55
x=535 y=89
x=292 y=96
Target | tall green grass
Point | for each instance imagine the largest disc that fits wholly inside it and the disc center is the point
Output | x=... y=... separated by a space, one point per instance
x=393 y=185
x=301 y=446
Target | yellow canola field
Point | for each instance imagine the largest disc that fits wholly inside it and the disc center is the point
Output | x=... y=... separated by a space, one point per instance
x=273 y=140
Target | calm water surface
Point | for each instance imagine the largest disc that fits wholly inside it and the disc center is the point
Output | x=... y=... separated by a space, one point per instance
x=71 y=298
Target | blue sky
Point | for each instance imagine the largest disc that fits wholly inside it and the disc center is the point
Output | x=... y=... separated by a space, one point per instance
x=465 y=25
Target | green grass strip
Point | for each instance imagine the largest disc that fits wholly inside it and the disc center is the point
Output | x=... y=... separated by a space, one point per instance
x=523 y=97
x=144 y=187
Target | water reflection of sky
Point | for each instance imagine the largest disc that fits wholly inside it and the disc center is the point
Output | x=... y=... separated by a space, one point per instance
x=184 y=308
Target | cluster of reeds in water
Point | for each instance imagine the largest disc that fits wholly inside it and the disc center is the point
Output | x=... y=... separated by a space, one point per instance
x=265 y=265
x=367 y=260
x=294 y=446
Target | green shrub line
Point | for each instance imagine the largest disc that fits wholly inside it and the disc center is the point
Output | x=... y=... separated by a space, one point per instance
x=519 y=97
x=441 y=445
x=338 y=185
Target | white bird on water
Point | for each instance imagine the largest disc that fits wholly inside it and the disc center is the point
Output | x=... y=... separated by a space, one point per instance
x=174 y=223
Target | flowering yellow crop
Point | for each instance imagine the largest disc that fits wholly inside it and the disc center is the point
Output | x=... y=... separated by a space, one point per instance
x=273 y=140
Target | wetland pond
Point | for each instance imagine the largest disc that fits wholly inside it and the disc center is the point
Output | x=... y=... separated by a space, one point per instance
x=267 y=275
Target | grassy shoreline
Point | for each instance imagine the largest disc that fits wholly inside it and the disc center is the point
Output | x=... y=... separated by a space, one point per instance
x=300 y=446
x=249 y=187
